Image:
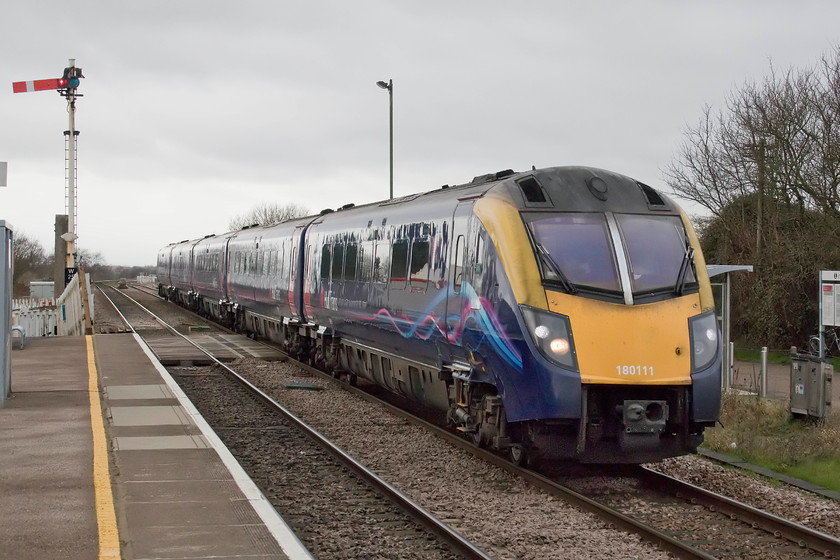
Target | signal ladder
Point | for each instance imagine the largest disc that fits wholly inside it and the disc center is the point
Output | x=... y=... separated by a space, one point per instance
x=75 y=164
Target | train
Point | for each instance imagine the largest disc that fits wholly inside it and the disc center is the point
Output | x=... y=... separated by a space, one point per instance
x=553 y=314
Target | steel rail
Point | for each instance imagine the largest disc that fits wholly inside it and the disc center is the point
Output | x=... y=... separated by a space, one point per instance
x=117 y=309
x=446 y=533
x=803 y=536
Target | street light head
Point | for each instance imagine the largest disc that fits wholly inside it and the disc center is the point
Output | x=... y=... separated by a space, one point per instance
x=384 y=85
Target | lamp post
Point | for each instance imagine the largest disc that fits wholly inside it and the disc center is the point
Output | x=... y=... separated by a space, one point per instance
x=390 y=87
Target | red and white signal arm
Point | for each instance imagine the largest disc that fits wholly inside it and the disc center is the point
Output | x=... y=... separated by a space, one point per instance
x=36 y=85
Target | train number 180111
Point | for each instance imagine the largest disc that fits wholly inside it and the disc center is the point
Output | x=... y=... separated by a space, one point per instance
x=635 y=370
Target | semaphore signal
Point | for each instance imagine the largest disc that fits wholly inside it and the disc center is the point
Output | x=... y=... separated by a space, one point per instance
x=36 y=85
x=66 y=86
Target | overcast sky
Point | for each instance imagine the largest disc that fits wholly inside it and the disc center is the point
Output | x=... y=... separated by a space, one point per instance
x=195 y=111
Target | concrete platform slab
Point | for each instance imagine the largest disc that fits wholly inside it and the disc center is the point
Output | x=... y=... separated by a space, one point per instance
x=159 y=442
x=137 y=392
x=206 y=542
x=152 y=465
x=148 y=416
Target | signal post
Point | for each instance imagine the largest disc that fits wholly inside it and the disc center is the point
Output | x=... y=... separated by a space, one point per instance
x=66 y=86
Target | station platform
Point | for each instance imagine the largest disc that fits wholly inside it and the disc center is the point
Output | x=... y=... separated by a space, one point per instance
x=106 y=458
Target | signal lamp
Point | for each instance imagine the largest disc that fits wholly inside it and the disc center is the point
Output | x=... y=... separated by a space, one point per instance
x=70 y=79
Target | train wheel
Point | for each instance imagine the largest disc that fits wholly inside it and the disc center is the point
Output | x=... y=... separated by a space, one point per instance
x=477 y=438
x=518 y=455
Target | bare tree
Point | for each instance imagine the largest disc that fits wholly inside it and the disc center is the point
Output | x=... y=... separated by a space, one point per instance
x=778 y=139
x=267 y=213
x=767 y=167
x=31 y=263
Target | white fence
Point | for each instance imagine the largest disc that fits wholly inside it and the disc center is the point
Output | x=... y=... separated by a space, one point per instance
x=45 y=317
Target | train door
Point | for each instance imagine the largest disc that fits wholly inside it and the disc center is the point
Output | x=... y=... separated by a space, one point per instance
x=460 y=294
x=296 y=271
x=226 y=265
x=192 y=266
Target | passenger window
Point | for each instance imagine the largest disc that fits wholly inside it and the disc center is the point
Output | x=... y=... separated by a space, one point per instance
x=479 y=254
x=338 y=260
x=350 y=262
x=380 y=263
x=325 y=262
x=365 y=261
x=460 y=245
x=419 y=265
x=399 y=263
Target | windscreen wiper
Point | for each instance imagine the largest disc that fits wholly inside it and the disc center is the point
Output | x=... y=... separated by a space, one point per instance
x=687 y=262
x=549 y=262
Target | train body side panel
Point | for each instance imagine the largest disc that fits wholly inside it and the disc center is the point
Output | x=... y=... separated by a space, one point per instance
x=263 y=264
x=380 y=283
x=208 y=265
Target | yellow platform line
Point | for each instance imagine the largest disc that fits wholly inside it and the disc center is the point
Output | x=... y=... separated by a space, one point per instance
x=106 y=519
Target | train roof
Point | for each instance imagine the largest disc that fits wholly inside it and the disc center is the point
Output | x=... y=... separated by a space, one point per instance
x=568 y=188
x=571 y=188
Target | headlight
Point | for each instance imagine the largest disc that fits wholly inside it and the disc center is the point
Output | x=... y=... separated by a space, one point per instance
x=704 y=340
x=552 y=335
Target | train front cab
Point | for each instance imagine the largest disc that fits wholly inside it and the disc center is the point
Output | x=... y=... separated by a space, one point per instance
x=623 y=357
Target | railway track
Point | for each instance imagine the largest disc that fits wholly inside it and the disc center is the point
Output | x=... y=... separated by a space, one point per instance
x=805 y=541
x=684 y=520
x=338 y=508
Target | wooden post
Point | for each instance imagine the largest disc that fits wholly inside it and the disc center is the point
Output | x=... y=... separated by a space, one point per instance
x=85 y=302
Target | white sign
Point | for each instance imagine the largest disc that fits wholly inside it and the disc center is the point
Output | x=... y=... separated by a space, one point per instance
x=829 y=304
x=829 y=298
x=830 y=275
x=836 y=322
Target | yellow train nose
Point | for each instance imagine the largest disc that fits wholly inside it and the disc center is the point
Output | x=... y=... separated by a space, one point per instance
x=621 y=344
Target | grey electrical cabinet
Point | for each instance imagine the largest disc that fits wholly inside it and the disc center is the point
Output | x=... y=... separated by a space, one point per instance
x=810 y=386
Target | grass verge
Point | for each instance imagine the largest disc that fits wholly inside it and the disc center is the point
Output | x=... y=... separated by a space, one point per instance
x=764 y=432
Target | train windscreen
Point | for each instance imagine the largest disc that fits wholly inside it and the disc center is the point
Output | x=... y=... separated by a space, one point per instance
x=576 y=251
x=657 y=252
x=579 y=248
